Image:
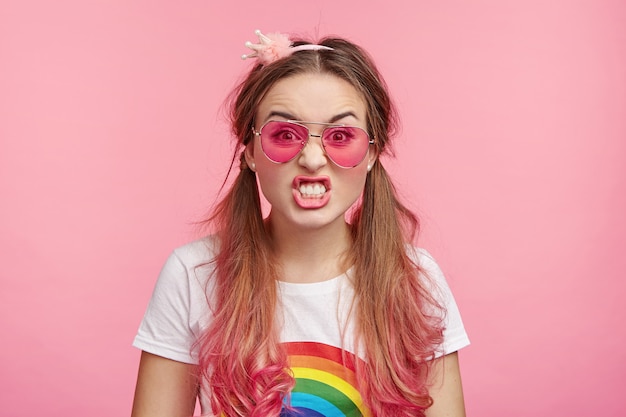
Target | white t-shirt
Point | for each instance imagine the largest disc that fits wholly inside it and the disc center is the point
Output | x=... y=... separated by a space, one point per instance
x=315 y=327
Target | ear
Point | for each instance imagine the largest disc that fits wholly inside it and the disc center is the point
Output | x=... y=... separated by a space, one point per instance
x=249 y=155
x=371 y=159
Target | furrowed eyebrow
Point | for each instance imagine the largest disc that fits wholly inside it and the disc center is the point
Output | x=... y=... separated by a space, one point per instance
x=289 y=116
x=284 y=115
x=342 y=115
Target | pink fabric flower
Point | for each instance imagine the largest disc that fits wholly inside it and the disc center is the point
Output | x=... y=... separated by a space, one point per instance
x=278 y=47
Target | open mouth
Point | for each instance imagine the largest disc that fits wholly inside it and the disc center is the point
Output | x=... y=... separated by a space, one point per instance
x=311 y=192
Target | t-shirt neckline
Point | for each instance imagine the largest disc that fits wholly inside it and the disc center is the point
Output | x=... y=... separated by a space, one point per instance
x=311 y=288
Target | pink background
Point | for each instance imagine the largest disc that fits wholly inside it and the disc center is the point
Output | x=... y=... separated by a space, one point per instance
x=113 y=143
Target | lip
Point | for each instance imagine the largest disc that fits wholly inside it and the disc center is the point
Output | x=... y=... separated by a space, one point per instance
x=302 y=179
x=310 y=203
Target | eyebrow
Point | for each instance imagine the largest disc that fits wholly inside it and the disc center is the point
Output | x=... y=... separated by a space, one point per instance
x=289 y=116
x=280 y=114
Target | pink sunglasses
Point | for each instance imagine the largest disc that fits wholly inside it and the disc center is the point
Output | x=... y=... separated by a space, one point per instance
x=282 y=141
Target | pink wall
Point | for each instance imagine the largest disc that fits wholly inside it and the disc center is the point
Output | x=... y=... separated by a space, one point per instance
x=513 y=150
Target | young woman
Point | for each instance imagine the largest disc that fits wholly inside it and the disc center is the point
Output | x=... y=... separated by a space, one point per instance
x=322 y=308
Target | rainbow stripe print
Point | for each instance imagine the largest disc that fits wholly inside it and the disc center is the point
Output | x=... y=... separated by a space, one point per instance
x=326 y=384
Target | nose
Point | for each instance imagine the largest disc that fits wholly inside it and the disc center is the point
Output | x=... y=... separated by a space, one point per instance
x=313 y=156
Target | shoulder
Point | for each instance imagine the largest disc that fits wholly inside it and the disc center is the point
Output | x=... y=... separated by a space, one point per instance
x=431 y=276
x=188 y=267
x=178 y=309
x=426 y=262
x=421 y=257
x=198 y=252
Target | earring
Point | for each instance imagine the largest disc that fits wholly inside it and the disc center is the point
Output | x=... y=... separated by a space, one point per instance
x=253 y=166
x=369 y=168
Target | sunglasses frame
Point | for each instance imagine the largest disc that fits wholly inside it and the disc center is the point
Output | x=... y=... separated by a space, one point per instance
x=302 y=123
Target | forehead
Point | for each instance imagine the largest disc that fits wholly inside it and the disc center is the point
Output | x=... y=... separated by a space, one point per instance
x=313 y=97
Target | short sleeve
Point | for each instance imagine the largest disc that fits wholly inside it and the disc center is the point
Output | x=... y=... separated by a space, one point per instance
x=455 y=336
x=167 y=329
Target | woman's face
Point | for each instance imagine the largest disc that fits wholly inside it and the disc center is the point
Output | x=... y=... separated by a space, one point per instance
x=310 y=191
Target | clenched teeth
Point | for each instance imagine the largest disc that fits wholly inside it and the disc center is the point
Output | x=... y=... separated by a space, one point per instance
x=312 y=190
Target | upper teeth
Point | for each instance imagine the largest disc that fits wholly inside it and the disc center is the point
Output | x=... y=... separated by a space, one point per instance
x=312 y=189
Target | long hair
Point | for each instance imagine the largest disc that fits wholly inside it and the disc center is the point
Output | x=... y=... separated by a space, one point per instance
x=398 y=323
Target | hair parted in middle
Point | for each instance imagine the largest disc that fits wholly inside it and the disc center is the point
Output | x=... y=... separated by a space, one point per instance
x=399 y=325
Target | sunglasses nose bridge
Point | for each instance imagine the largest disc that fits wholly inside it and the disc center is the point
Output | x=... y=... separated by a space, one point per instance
x=318 y=135
x=313 y=152
x=310 y=134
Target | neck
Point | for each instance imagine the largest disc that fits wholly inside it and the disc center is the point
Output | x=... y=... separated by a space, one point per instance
x=311 y=255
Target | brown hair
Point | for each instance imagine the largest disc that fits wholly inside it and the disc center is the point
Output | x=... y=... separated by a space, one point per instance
x=398 y=322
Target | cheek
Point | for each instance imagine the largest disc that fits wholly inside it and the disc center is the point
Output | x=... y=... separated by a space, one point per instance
x=270 y=176
x=353 y=180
